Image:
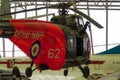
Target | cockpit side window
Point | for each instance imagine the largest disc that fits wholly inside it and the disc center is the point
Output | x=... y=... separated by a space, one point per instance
x=75 y=22
x=81 y=23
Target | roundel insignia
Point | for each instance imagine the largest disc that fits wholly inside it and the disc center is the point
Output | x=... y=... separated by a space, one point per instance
x=35 y=49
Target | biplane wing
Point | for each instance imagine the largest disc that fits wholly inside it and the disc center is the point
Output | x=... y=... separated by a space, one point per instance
x=106 y=62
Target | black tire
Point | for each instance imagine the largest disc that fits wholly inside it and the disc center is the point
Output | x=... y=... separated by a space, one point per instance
x=16 y=72
x=28 y=72
x=66 y=72
x=86 y=71
x=35 y=49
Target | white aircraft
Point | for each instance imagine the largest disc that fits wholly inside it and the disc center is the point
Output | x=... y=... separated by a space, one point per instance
x=113 y=76
x=106 y=63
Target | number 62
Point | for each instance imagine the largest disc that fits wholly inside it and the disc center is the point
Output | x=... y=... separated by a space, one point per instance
x=51 y=53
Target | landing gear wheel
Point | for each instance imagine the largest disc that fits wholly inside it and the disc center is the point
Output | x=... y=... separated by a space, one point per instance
x=28 y=72
x=16 y=72
x=66 y=72
x=35 y=49
x=86 y=71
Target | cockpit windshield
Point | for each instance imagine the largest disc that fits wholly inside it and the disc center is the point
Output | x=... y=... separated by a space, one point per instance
x=75 y=22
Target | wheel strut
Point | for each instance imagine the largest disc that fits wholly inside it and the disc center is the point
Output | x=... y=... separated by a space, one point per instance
x=29 y=70
x=84 y=70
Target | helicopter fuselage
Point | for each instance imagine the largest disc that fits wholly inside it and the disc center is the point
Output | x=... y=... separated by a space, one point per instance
x=77 y=40
x=26 y=33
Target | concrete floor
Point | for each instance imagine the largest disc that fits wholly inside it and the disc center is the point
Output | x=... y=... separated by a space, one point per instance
x=74 y=74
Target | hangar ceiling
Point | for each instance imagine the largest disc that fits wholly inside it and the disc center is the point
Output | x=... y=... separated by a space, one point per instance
x=82 y=4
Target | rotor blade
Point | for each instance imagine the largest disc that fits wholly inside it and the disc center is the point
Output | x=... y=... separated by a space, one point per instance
x=33 y=17
x=56 y=6
x=87 y=17
x=22 y=11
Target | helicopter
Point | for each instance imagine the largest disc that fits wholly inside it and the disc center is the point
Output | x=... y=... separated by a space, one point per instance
x=59 y=43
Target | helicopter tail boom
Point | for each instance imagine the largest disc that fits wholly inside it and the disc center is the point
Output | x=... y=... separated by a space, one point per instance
x=6 y=29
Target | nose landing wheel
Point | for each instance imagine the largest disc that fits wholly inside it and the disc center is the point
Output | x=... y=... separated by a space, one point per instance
x=86 y=71
x=65 y=72
x=29 y=70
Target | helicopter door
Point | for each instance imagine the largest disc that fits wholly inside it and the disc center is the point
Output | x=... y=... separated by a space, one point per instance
x=79 y=46
x=82 y=46
x=71 y=45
